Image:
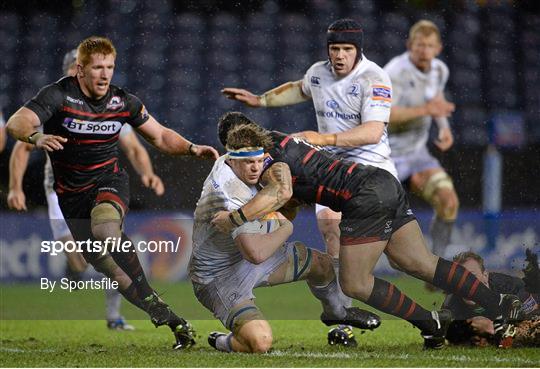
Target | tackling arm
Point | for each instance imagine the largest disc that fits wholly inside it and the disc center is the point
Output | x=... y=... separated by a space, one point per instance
x=172 y=143
x=277 y=191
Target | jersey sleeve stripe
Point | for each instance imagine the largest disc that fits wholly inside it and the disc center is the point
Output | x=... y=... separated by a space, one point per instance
x=308 y=156
x=284 y=142
x=333 y=165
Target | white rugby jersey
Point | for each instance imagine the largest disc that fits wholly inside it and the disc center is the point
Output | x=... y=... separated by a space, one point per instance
x=214 y=251
x=340 y=104
x=412 y=87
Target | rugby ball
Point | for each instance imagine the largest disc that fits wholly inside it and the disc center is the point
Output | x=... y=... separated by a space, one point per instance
x=269 y=223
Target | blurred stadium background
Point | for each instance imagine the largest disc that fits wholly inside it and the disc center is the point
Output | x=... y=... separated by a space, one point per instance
x=177 y=55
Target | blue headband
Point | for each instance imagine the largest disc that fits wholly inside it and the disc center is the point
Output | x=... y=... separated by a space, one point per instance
x=246 y=152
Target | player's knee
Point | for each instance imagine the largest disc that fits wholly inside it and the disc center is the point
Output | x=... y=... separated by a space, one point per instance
x=106 y=221
x=420 y=267
x=322 y=270
x=357 y=288
x=451 y=206
x=261 y=343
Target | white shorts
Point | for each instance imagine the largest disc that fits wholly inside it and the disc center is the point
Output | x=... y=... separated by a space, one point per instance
x=223 y=294
x=56 y=218
x=415 y=162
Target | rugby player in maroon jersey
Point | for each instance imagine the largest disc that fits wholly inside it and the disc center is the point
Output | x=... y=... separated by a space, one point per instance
x=376 y=219
x=82 y=117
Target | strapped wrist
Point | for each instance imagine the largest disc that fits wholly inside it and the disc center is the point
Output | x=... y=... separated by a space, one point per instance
x=262 y=100
x=237 y=217
x=32 y=139
x=190 y=149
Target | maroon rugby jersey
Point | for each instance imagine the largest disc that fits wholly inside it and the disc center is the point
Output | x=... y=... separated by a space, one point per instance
x=92 y=128
x=317 y=175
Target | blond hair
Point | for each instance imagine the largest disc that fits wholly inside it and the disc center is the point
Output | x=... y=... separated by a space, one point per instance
x=248 y=135
x=462 y=257
x=94 y=45
x=425 y=28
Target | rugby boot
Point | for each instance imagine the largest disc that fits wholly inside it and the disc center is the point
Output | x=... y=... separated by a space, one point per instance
x=183 y=334
x=504 y=325
x=213 y=337
x=119 y=324
x=355 y=317
x=161 y=314
x=342 y=335
x=435 y=340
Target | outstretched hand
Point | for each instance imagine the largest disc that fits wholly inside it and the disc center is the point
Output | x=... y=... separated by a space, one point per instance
x=242 y=95
x=203 y=151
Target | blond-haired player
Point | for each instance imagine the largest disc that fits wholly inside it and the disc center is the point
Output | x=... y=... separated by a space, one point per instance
x=418 y=80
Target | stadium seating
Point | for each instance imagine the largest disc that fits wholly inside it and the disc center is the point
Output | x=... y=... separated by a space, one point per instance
x=177 y=62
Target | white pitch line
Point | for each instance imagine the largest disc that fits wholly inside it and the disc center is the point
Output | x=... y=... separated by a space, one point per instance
x=9 y=349
x=344 y=355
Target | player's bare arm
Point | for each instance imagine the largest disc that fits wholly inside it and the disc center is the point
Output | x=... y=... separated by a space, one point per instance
x=3 y=137
x=172 y=143
x=18 y=162
x=257 y=248
x=436 y=107
x=367 y=133
x=22 y=126
x=290 y=209
x=140 y=160
x=288 y=93
x=277 y=182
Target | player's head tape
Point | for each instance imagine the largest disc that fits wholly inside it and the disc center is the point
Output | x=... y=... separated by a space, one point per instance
x=245 y=153
x=346 y=31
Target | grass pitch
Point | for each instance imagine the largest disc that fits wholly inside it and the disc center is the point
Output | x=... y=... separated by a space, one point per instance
x=61 y=329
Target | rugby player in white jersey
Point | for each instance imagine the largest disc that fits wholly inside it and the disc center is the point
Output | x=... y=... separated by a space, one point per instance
x=352 y=99
x=76 y=265
x=225 y=268
x=418 y=80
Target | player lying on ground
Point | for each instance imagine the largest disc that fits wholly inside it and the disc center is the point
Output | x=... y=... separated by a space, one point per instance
x=225 y=268
x=376 y=219
x=471 y=326
x=82 y=117
x=76 y=265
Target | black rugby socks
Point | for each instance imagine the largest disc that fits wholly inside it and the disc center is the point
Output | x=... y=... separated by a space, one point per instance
x=388 y=298
x=130 y=264
x=454 y=278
